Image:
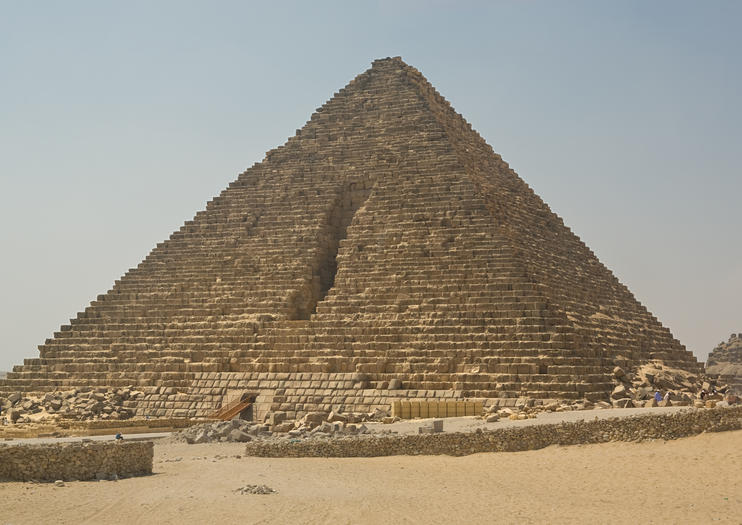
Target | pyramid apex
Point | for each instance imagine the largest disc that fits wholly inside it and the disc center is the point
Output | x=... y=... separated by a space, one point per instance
x=387 y=60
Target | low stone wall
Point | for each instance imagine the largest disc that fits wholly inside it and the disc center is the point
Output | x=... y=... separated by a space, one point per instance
x=512 y=439
x=75 y=461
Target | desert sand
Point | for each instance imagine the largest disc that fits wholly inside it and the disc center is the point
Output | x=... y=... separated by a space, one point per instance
x=691 y=480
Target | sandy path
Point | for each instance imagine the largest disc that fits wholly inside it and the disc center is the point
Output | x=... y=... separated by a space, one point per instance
x=692 y=480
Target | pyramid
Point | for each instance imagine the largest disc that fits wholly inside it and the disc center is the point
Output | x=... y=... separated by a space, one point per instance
x=725 y=363
x=384 y=252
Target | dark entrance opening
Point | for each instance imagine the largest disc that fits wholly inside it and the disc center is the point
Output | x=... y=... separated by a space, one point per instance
x=247 y=413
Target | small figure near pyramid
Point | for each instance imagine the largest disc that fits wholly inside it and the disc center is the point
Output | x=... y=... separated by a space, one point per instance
x=383 y=253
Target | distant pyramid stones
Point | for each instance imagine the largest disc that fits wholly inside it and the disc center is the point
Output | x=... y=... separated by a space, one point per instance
x=725 y=363
x=384 y=252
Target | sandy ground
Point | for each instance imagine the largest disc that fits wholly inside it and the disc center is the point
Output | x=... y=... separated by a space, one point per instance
x=692 y=480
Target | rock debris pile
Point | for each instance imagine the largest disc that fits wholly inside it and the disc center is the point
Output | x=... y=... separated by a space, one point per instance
x=312 y=425
x=676 y=387
x=685 y=423
x=82 y=405
x=255 y=489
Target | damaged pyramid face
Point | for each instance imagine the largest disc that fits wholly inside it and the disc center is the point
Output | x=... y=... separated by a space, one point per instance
x=384 y=252
x=725 y=363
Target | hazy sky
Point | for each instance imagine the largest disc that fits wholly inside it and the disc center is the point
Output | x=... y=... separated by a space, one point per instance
x=119 y=120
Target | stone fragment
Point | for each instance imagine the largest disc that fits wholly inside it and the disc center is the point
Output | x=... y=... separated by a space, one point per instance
x=238 y=436
x=276 y=418
x=643 y=393
x=283 y=427
x=201 y=437
x=334 y=416
x=255 y=489
x=619 y=392
x=433 y=427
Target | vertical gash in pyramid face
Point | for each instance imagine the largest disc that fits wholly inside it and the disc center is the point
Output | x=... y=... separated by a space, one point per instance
x=384 y=246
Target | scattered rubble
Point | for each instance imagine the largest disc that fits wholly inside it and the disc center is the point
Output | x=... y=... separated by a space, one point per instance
x=637 y=428
x=677 y=387
x=313 y=424
x=636 y=388
x=81 y=405
x=255 y=489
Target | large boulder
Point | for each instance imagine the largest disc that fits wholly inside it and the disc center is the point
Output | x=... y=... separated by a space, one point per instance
x=619 y=392
x=276 y=418
x=238 y=436
x=314 y=419
x=334 y=416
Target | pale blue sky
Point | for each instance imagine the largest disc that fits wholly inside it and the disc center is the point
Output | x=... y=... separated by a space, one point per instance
x=119 y=120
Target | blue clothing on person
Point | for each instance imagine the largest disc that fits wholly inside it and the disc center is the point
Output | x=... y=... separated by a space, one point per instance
x=657 y=396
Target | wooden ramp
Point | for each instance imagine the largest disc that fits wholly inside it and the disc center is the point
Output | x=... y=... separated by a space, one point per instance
x=230 y=410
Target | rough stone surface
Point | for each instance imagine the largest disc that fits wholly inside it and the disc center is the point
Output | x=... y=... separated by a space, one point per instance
x=725 y=363
x=79 y=405
x=75 y=461
x=255 y=489
x=639 y=428
x=386 y=241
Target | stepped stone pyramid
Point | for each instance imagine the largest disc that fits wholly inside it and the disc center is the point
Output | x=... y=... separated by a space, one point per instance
x=725 y=363
x=384 y=243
